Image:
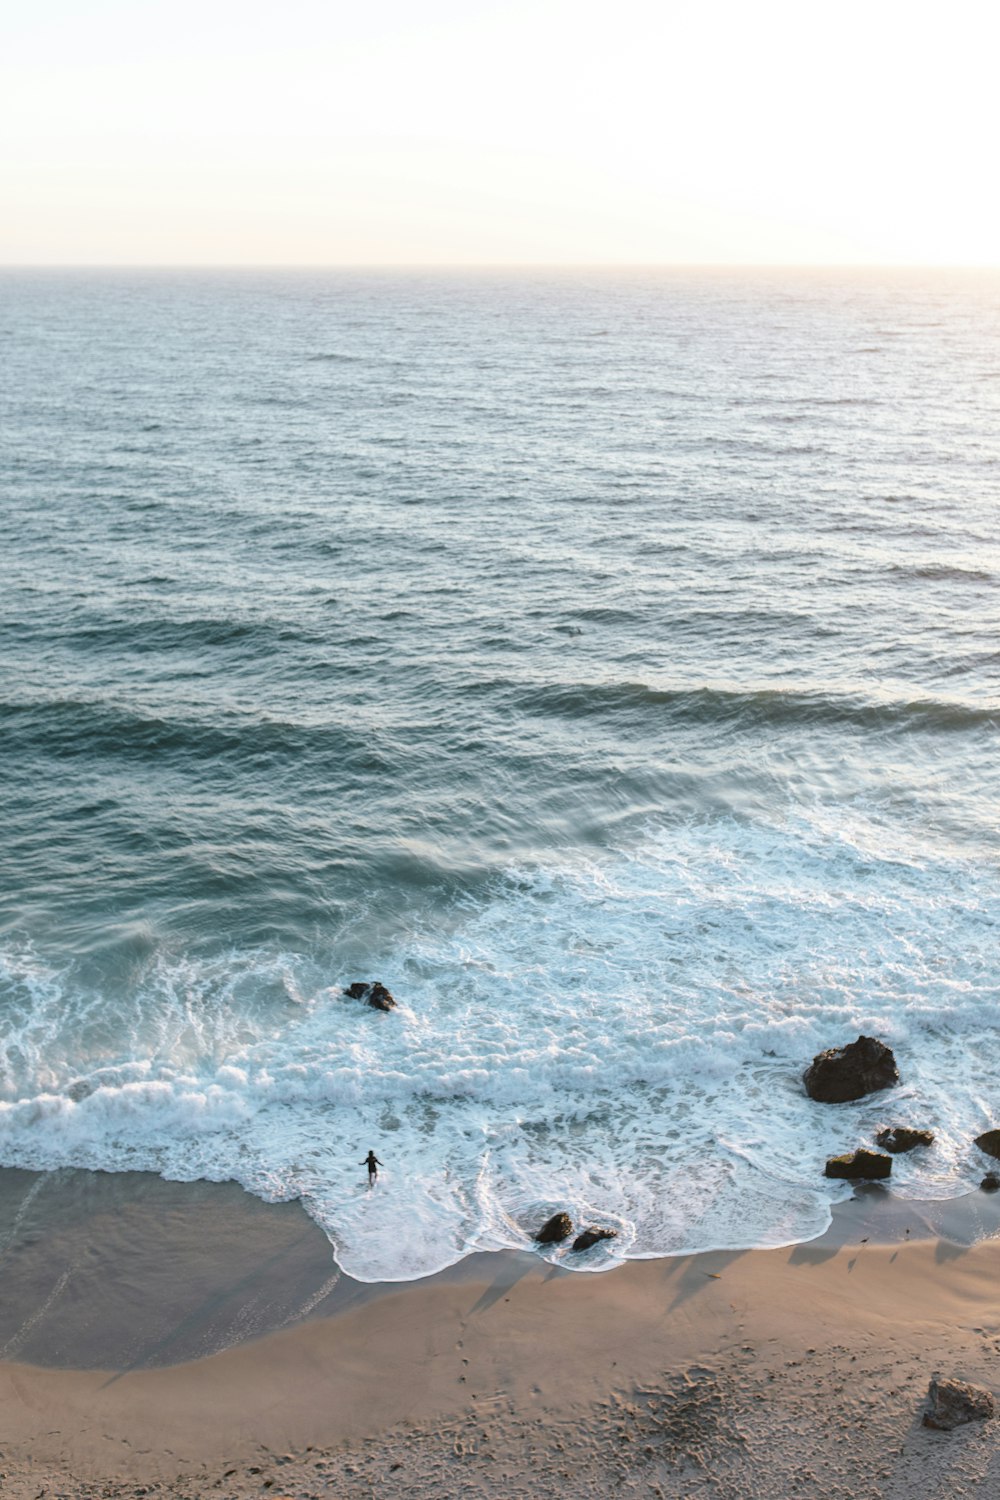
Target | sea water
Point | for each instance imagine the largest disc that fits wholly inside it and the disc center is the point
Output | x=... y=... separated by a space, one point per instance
x=604 y=661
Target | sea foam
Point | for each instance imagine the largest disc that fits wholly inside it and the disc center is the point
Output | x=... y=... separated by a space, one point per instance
x=622 y=1037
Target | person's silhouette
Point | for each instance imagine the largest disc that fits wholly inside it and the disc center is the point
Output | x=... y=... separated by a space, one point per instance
x=372 y=1162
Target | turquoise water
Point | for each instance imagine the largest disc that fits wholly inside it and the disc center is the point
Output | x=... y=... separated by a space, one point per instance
x=606 y=662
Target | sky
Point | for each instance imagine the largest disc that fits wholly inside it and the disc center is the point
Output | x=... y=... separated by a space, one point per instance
x=431 y=132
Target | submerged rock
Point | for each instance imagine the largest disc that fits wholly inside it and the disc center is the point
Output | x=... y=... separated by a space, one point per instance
x=374 y=994
x=593 y=1236
x=989 y=1142
x=860 y=1165
x=844 y=1073
x=951 y=1403
x=555 y=1230
x=990 y=1183
x=902 y=1138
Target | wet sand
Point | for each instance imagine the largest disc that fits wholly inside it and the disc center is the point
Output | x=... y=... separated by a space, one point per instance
x=190 y=1340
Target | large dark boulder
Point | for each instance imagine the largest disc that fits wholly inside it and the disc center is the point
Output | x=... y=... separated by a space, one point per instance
x=989 y=1142
x=864 y=1166
x=902 y=1138
x=376 y=995
x=990 y=1183
x=851 y=1072
x=951 y=1403
x=555 y=1230
x=593 y=1236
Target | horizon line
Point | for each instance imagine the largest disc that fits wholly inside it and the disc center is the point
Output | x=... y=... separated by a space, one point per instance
x=484 y=265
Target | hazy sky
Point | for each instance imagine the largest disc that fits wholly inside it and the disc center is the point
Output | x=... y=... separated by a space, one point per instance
x=552 y=131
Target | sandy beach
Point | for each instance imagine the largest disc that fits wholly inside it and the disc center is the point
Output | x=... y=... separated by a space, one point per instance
x=190 y=1340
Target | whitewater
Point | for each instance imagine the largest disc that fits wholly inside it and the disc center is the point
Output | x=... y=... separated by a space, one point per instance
x=606 y=662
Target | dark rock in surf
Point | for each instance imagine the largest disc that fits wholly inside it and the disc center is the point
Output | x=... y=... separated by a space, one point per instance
x=555 y=1230
x=593 y=1236
x=376 y=995
x=902 y=1138
x=863 y=1166
x=952 y=1403
x=989 y=1142
x=851 y=1072
x=990 y=1183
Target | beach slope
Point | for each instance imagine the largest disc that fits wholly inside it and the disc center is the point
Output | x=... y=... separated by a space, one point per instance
x=798 y=1371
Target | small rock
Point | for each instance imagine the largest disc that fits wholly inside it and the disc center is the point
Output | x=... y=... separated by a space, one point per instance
x=902 y=1138
x=593 y=1236
x=844 y=1073
x=866 y=1165
x=950 y=1403
x=990 y=1183
x=375 y=994
x=989 y=1142
x=555 y=1230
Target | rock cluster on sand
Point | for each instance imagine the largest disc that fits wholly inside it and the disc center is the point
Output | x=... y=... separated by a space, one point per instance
x=860 y=1165
x=901 y=1138
x=841 y=1074
x=560 y=1227
x=844 y=1073
x=951 y=1403
x=374 y=994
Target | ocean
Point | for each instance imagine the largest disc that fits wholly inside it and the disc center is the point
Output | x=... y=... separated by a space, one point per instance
x=605 y=661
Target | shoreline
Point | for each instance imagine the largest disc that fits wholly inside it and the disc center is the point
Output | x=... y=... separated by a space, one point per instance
x=239 y=1350
x=122 y=1271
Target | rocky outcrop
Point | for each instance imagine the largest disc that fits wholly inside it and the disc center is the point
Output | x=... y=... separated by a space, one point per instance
x=374 y=994
x=989 y=1142
x=593 y=1236
x=851 y=1072
x=990 y=1183
x=902 y=1138
x=864 y=1166
x=952 y=1403
x=555 y=1230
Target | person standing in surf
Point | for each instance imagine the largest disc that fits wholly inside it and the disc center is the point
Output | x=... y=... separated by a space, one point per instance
x=372 y=1162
